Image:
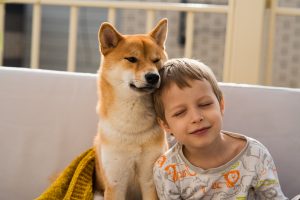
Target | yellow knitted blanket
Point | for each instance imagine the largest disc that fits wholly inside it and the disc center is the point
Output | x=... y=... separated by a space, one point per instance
x=75 y=182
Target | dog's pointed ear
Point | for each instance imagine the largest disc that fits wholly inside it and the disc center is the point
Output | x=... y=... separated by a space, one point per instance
x=159 y=33
x=108 y=38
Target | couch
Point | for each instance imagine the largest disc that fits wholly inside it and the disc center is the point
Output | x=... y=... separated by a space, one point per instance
x=47 y=118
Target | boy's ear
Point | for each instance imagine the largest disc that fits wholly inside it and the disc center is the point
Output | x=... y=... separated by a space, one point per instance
x=108 y=38
x=159 y=33
x=163 y=125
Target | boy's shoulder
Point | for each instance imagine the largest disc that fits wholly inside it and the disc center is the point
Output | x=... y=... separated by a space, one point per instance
x=253 y=146
x=252 y=142
x=172 y=156
x=172 y=167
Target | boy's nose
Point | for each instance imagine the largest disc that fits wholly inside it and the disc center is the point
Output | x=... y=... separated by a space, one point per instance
x=197 y=116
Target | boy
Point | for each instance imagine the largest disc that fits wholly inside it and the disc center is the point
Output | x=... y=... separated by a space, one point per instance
x=206 y=162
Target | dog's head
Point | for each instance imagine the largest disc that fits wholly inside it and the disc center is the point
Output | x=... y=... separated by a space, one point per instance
x=131 y=62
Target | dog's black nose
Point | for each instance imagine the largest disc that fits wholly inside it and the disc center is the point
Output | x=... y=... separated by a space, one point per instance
x=152 y=78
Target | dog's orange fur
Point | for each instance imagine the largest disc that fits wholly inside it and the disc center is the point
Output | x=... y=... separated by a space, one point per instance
x=129 y=139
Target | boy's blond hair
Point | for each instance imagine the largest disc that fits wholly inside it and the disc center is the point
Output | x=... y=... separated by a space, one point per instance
x=180 y=71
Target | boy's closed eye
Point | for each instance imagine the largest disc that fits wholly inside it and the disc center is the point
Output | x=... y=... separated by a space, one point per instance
x=205 y=104
x=179 y=113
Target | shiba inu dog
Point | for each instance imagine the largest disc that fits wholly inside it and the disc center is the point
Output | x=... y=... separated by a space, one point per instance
x=129 y=139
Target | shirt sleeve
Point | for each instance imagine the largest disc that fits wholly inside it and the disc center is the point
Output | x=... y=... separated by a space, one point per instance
x=166 y=188
x=268 y=186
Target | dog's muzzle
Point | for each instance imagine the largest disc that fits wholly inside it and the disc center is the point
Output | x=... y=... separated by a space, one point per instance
x=151 y=83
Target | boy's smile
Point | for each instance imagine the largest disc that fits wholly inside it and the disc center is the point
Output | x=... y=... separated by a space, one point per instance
x=193 y=114
x=200 y=131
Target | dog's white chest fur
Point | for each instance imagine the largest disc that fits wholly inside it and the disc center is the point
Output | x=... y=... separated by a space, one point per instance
x=128 y=129
x=130 y=120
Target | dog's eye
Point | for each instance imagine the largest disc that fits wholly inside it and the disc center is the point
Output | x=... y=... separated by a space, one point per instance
x=156 y=60
x=132 y=59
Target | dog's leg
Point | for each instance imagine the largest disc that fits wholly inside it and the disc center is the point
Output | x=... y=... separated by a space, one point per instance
x=116 y=183
x=145 y=170
x=113 y=192
x=118 y=169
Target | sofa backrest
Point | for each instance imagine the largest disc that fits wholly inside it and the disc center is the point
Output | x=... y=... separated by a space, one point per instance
x=48 y=118
x=272 y=116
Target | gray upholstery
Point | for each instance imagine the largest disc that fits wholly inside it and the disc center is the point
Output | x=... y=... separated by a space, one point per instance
x=48 y=118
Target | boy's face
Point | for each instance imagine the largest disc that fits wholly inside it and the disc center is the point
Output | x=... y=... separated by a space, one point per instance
x=193 y=114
